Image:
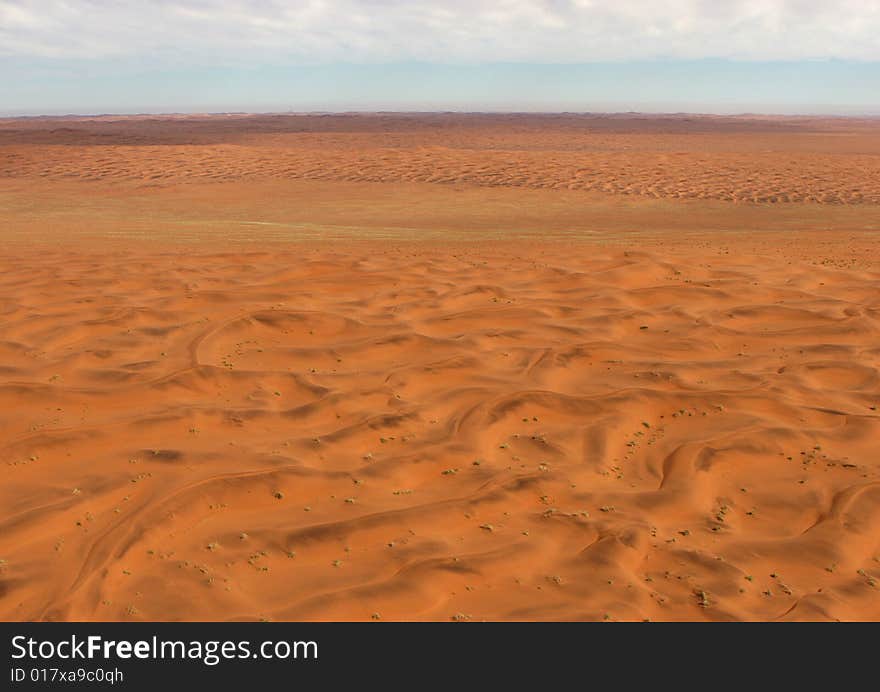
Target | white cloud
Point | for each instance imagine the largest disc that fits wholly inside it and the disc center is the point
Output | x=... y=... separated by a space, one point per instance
x=245 y=31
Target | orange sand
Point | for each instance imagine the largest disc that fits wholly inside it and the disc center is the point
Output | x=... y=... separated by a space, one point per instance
x=434 y=367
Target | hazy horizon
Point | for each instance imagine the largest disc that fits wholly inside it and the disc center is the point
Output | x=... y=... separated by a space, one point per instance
x=705 y=86
x=207 y=112
x=775 y=57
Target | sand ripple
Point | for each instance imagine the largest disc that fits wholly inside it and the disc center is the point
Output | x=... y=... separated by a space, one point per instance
x=523 y=433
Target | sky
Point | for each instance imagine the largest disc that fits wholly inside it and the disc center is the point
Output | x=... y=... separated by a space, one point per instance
x=720 y=56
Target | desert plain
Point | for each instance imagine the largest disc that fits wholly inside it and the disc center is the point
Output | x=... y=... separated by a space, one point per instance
x=439 y=367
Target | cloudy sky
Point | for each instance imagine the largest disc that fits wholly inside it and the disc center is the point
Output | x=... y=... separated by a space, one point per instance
x=721 y=55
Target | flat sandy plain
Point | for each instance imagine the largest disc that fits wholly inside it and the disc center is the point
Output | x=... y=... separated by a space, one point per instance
x=422 y=367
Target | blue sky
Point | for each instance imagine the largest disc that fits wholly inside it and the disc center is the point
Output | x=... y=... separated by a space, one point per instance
x=773 y=56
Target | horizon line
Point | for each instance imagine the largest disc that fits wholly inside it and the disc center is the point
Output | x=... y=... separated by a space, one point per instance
x=13 y=115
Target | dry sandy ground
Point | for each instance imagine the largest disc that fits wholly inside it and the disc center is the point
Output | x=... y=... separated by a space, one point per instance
x=434 y=367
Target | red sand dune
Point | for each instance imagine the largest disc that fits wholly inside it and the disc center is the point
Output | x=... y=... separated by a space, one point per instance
x=434 y=367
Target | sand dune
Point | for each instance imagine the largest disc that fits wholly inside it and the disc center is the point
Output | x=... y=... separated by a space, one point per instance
x=442 y=401
x=433 y=433
x=731 y=159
